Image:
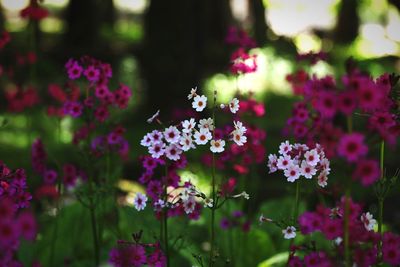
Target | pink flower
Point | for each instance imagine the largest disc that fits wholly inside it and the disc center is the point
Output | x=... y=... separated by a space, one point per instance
x=367 y=171
x=352 y=147
x=27 y=225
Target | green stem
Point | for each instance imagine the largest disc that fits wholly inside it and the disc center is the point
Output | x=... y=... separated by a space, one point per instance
x=213 y=182
x=165 y=217
x=94 y=233
x=295 y=213
x=381 y=200
x=346 y=229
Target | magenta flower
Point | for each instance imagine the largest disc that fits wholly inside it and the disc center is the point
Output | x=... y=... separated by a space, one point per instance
x=367 y=171
x=92 y=74
x=8 y=233
x=27 y=225
x=134 y=255
x=352 y=147
x=326 y=104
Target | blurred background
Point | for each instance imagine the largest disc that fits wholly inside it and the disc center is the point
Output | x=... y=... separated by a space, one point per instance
x=161 y=49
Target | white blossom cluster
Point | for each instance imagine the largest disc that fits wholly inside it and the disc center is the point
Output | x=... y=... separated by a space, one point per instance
x=299 y=160
x=188 y=134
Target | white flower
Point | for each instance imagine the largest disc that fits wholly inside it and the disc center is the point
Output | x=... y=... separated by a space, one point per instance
x=159 y=204
x=307 y=170
x=189 y=205
x=338 y=241
x=172 y=134
x=289 y=232
x=272 y=163
x=263 y=219
x=207 y=124
x=173 y=152
x=239 y=138
x=152 y=118
x=325 y=165
x=202 y=137
x=222 y=106
x=292 y=173
x=199 y=102
x=140 y=201
x=188 y=125
x=186 y=142
x=284 y=162
x=234 y=105
x=217 y=146
x=192 y=93
x=285 y=148
x=146 y=141
x=300 y=147
x=312 y=157
x=322 y=179
x=208 y=202
x=368 y=221
x=243 y=194
x=187 y=193
x=157 y=149
x=156 y=136
x=239 y=126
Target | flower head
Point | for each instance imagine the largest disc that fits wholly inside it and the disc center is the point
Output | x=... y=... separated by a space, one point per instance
x=199 y=102
x=289 y=232
x=140 y=201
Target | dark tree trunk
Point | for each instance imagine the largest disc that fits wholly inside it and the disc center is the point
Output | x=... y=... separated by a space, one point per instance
x=184 y=40
x=348 y=22
x=257 y=10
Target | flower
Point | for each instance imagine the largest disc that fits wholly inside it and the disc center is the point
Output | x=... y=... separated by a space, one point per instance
x=322 y=179
x=208 y=202
x=192 y=93
x=285 y=148
x=243 y=194
x=289 y=232
x=173 y=152
x=239 y=138
x=146 y=140
x=367 y=171
x=368 y=221
x=307 y=170
x=199 y=102
x=172 y=134
x=239 y=126
x=188 y=125
x=189 y=205
x=234 y=105
x=284 y=162
x=186 y=142
x=352 y=147
x=292 y=173
x=157 y=149
x=312 y=157
x=153 y=117
x=217 y=146
x=202 y=137
x=140 y=201
x=272 y=163
x=207 y=124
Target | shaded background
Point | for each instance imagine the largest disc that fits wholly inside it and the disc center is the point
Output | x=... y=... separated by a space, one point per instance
x=161 y=49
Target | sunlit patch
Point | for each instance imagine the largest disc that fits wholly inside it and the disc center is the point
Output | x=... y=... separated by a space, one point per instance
x=374 y=43
x=393 y=25
x=51 y=25
x=134 y=6
x=14 y=5
x=291 y=17
x=306 y=42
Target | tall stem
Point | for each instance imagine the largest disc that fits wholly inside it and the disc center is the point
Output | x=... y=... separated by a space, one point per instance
x=212 y=226
x=93 y=221
x=295 y=213
x=165 y=217
x=381 y=202
x=346 y=229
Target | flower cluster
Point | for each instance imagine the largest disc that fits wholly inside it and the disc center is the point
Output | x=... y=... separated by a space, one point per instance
x=20 y=99
x=136 y=254
x=242 y=62
x=299 y=160
x=14 y=223
x=362 y=238
x=34 y=12
x=174 y=140
x=99 y=98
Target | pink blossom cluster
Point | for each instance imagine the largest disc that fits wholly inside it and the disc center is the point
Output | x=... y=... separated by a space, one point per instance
x=137 y=254
x=20 y=99
x=15 y=223
x=242 y=62
x=34 y=12
x=99 y=99
x=239 y=37
x=299 y=160
x=362 y=238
